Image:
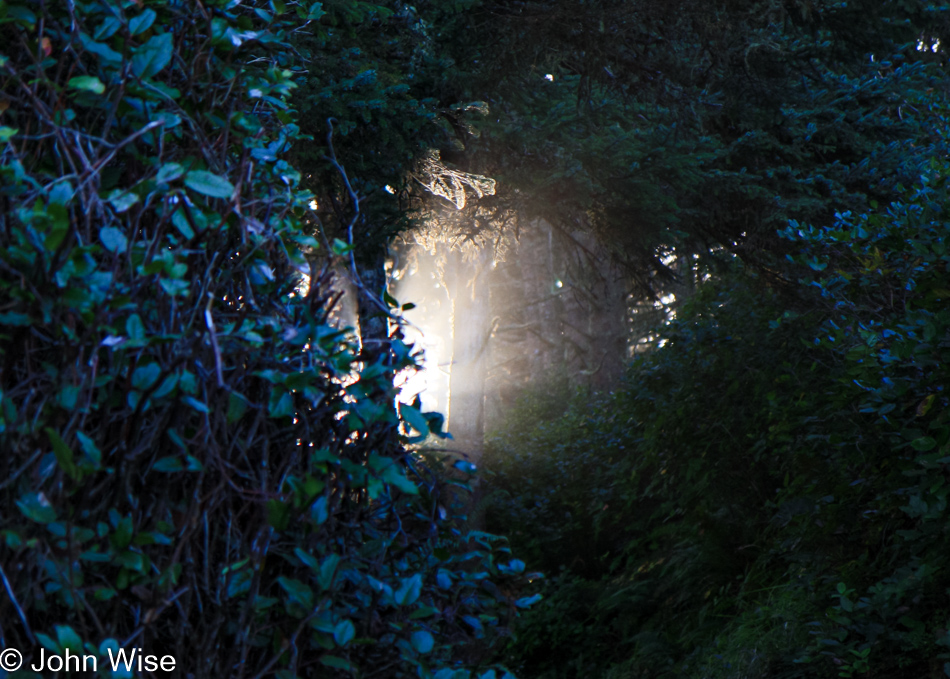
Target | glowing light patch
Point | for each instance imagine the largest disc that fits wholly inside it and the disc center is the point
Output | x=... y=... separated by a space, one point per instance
x=303 y=287
x=549 y=78
x=313 y=205
x=390 y=190
x=558 y=284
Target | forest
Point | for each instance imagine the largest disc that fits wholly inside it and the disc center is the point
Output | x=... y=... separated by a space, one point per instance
x=475 y=339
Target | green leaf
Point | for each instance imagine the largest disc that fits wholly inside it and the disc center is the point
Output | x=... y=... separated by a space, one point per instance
x=409 y=591
x=282 y=405
x=414 y=418
x=122 y=200
x=237 y=406
x=67 y=638
x=344 y=632
x=527 y=602
x=14 y=318
x=514 y=566
x=122 y=536
x=6 y=134
x=168 y=464
x=464 y=466
x=200 y=406
x=48 y=643
x=336 y=663
x=145 y=376
x=90 y=449
x=87 y=83
x=62 y=193
x=113 y=239
x=107 y=28
x=107 y=645
x=68 y=396
x=340 y=248
x=106 y=54
x=142 y=22
x=153 y=56
x=308 y=559
x=297 y=591
x=209 y=184
x=278 y=514
x=923 y=444
x=180 y=222
x=167 y=386
x=315 y=12
x=169 y=172
x=318 y=511
x=240 y=583
x=394 y=475
x=423 y=612
x=328 y=571
x=422 y=641
x=36 y=507
x=63 y=453
x=96 y=557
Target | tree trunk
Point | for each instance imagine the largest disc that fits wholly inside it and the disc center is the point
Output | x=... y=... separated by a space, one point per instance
x=471 y=331
x=373 y=322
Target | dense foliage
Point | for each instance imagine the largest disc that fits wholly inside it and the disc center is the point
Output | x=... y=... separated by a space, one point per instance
x=767 y=494
x=707 y=123
x=193 y=461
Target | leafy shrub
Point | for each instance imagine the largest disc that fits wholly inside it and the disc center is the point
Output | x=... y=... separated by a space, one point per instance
x=194 y=462
x=653 y=495
x=766 y=495
x=883 y=276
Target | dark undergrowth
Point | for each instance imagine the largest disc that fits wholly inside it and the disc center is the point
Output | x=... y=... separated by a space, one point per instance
x=766 y=495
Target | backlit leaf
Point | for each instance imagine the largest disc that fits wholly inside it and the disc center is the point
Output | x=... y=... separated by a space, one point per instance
x=87 y=83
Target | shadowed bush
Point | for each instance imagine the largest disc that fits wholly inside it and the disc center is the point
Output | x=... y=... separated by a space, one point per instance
x=192 y=460
x=766 y=496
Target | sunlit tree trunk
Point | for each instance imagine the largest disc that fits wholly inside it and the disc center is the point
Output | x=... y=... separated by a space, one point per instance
x=535 y=258
x=471 y=331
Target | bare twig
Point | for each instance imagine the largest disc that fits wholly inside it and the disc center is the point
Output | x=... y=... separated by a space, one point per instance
x=16 y=604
